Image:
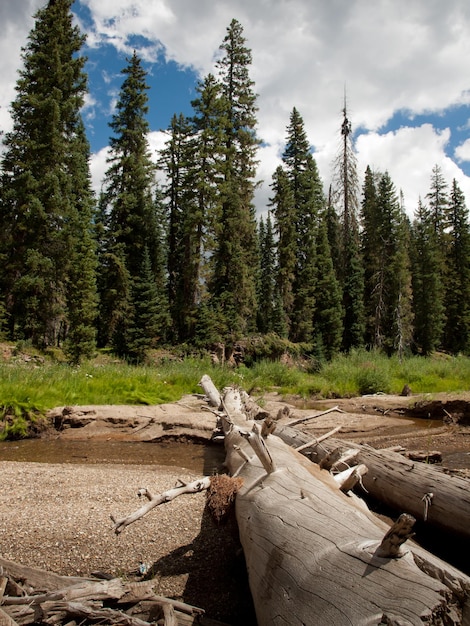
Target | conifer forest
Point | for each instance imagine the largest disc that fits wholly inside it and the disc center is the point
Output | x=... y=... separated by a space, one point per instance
x=173 y=252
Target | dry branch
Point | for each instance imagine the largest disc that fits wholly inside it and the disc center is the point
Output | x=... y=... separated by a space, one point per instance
x=91 y=601
x=301 y=420
x=194 y=487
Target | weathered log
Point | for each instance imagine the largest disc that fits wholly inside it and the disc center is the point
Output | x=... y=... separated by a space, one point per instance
x=349 y=478
x=6 y=620
x=311 y=551
x=402 y=484
x=211 y=391
x=38 y=579
x=86 y=600
x=302 y=420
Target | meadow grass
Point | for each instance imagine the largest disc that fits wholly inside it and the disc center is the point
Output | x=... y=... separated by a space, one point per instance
x=27 y=390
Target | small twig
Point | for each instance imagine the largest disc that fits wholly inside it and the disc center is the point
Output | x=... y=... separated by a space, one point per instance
x=311 y=417
x=427 y=499
x=318 y=439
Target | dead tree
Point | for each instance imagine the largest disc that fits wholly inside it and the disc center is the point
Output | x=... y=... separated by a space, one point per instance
x=315 y=554
x=420 y=489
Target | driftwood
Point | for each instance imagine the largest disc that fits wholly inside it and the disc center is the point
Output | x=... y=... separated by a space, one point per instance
x=317 y=556
x=420 y=489
x=73 y=599
x=195 y=486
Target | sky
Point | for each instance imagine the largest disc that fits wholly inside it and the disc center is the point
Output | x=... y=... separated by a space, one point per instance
x=403 y=65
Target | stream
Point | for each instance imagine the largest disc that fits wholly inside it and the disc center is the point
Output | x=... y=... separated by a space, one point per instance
x=199 y=458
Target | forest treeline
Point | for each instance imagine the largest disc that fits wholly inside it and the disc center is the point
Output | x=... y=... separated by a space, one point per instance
x=186 y=260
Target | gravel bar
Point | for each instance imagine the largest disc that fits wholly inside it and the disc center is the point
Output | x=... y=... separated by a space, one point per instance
x=57 y=517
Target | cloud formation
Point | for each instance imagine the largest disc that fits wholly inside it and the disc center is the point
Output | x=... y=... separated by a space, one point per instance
x=403 y=56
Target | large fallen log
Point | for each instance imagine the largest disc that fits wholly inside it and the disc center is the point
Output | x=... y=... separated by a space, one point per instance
x=315 y=555
x=419 y=489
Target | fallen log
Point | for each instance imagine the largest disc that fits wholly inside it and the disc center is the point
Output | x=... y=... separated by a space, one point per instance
x=316 y=555
x=420 y=489
x=112 y=601
x=313 y=553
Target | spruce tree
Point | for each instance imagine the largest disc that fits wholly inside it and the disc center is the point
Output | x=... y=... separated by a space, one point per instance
x=267 y=279
x=184 y=227
x=81 y=286
x=128 y=213
x=438 y=203
x=427 y=283
x=282 y=203
x=351 y=271
x=457 y=277
x=393 y=319
x=371 y=247
x=233 y=284
x=328 y=321
x=45 y=217
x=307 y=201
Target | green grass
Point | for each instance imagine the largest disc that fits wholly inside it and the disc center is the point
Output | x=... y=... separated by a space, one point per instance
x=28 y=390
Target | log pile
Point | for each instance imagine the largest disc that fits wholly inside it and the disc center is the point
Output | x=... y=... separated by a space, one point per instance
x=34 y=596
x=317 y=555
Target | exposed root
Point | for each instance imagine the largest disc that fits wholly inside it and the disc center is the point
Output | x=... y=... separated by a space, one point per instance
x=221 y=496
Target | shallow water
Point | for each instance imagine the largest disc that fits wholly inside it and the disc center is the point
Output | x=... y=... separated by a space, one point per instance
x=196 y=457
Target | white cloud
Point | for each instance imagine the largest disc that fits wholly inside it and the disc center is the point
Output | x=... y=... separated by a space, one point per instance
x=409 y=155
x=390 y=56
x=98 y=167
x=16 y=20
x=462 y=152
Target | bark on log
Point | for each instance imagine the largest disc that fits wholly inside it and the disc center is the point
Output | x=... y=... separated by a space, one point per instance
x=311 y=551
x=420 y=489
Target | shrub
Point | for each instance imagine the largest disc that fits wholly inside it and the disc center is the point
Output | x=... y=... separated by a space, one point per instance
x=372 y=380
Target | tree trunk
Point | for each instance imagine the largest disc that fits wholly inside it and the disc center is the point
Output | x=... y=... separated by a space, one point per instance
x=420 y=489
x=316 y=555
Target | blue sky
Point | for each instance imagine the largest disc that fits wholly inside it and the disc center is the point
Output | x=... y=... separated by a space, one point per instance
x=404 y=65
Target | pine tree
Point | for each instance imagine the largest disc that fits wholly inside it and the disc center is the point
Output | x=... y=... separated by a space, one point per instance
x=394 y=271
x=81 y=286
x=438 y=203
x=129 y=217
x=427 y=283
x=297 y=203
x=282 y=204
x=45 y=218
x=351 y=271
x=308 y=205
x=333 y=229
x=328 y=321
x=267 y=321
x=457 y=278
x=185 y=224
x=371 y=247
x=233 y=284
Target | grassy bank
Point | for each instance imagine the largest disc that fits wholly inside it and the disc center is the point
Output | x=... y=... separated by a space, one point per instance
x=28 y=389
